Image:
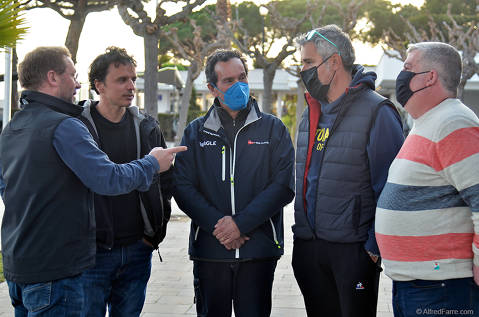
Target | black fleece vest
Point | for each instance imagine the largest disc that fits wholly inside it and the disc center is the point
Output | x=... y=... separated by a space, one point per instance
x=345 y=204
x=48 y=229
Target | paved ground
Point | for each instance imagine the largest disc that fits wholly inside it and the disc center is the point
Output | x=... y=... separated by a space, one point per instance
x=170 y=291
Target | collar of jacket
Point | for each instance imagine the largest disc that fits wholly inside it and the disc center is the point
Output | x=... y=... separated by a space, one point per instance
x=213 y=121
x=54 y=103
x=134 y=111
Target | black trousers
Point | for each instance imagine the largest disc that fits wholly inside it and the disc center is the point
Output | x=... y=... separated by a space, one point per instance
x=245 y=286
x=336 y=279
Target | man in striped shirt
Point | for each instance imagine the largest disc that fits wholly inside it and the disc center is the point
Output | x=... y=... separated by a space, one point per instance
x=427 y=219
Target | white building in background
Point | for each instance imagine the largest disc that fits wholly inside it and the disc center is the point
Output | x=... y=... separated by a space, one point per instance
x=169 y=92
x=286 y=84
x=283 y=84
x=172 y=82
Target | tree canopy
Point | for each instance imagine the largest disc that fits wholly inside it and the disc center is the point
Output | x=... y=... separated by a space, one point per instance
x=74 y=10
x=11 y=23
x=456 y=23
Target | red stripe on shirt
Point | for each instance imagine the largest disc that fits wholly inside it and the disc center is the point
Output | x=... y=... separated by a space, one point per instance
x=425 y=248
x=476 y=240
x=455 y=147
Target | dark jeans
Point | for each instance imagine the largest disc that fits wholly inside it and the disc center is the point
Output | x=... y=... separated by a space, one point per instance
x=454 y=297
x=62 y=297
x=118 y=281
x=336 y=279
x=247 y=284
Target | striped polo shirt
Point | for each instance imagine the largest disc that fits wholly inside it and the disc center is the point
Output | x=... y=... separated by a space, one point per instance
x=427 y=219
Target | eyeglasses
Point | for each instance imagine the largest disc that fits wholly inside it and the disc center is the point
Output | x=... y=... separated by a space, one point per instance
x=312 y=33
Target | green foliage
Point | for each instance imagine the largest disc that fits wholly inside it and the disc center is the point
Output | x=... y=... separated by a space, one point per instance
x=203 y=18
x=248 y=13
x=384 y=16
x=166 y=121
x=289 y=117
x=193 y=104
x=332 y=14
x=11 y=23
x=178 y=66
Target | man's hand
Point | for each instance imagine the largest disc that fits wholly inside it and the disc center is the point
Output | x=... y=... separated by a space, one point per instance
x=373 y=257
x=226 y=230
x=236 y=244
x=166 y=156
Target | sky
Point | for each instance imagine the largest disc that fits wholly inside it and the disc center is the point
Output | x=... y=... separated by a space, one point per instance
x=103 y=29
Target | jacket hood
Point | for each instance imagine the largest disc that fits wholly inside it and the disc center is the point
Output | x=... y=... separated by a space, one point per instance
x=87 y=104
x=362 y=77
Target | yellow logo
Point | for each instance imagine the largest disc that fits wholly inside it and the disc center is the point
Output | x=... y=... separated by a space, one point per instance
x=321 y=136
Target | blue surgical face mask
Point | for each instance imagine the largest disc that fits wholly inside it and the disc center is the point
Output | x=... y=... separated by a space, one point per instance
x=236 y=97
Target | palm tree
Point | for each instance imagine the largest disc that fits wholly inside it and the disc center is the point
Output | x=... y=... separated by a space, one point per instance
x=11 y=22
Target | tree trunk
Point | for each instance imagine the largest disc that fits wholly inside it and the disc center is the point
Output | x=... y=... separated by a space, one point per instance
x=73 y=35
x=223 y=11
x=268 y=76
x=151 y=75
x=185 y=103
x=299 y=107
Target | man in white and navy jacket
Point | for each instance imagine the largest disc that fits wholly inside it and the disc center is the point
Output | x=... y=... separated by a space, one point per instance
x=233 y=183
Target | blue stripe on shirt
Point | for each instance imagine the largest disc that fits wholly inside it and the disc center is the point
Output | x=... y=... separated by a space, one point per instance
x=471 y=197
x=416 y=198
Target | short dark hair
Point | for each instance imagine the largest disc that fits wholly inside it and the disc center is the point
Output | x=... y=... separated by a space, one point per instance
x=221 y=56
x=99 y=66
x=32 y=71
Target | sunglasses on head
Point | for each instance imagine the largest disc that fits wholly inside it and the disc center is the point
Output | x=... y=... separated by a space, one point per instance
x=312 y=33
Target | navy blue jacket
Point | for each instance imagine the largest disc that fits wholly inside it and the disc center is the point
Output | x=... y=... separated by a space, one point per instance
x=251 y=180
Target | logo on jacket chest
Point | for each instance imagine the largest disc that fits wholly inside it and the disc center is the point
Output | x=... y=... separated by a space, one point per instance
x=207 y=143
x=251 y=142
x=322 y=134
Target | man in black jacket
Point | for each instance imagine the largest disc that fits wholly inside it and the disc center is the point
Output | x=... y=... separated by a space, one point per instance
x=50 y=165
x=131 y=225
x=233 y=184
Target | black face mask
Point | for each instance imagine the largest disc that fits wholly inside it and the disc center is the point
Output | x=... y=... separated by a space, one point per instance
x=316 y=89
x=403 y=91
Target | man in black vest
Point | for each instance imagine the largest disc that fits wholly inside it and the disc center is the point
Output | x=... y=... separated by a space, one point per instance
x=131 y=225
x=50 y=165
x=348 y=137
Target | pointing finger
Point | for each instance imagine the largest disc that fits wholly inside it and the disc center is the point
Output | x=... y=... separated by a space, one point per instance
x=176 y=149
